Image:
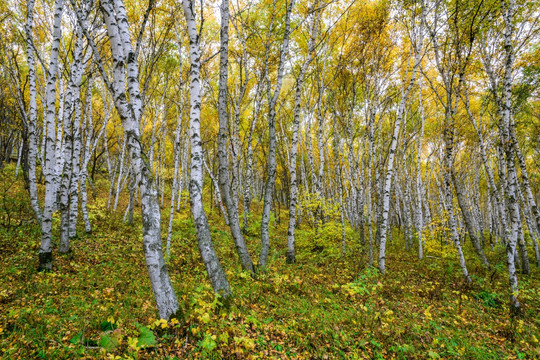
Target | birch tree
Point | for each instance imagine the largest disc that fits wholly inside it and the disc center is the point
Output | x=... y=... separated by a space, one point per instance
x=31 y=114
x=124 y=68
x=290 y=256
x=226 y=192
x=273 y=95
x=213 y=266
x=48 y=168
x=406 y=88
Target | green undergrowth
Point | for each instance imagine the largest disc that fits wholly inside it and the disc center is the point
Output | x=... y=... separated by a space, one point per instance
x=97 y=302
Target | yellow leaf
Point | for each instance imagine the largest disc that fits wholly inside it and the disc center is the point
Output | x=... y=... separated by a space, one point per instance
x=427 y=314
x=205 y=318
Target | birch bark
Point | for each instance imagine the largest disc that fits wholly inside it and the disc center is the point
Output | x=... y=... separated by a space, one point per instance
x=32 y=110
x=228 y=194
x=48 y=168
x=406 y=89
x=419 y=213
x=206 y=248
x=272 y=101
x=174 y=190
x=290 y=256
x=125 y=62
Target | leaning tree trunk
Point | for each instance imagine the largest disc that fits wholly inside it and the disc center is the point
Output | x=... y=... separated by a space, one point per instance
x=533 y=231
x=504 y=103
x=208 y=254
x=524 y=176
x=272 y=101
x=467 y=219
x=447 y=168
x=174 y=190
x=419 y=213
x=32 y=111
x=390 y=166
x=125 y=63
x=290 y=256
x=224 y=184
x=489 y=173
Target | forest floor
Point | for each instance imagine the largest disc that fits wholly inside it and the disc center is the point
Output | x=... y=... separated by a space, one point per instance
x=97 y=302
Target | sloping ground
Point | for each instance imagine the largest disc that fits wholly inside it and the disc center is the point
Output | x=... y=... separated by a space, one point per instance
x=97 y=302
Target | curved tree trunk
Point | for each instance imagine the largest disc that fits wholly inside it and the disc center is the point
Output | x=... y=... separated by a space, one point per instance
x=467 y=219
x=228 y=196
x=206 y=248
x=290 y=256
x=272 y=101
x=32 y=111
x=390 y=165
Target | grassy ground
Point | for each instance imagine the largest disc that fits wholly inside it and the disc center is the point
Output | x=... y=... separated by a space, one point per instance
x=97 y=301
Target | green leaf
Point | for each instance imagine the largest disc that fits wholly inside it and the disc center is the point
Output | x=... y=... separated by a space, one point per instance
x=109 y=343
x=147 y=337
x=208 y=343
x=77 y=338
x=106 y=326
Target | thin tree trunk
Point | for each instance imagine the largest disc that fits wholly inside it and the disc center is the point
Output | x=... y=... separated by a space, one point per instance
x=120 y=174
x=272 y=101
x=390 y=166
x=32 y=111
x=290 y=256
x=249 y=159
x=125 y=62
x=228 y=194
x=174 y=190
x=48 y=167
x=419 y=213
x=206 y=248
x=467 y=218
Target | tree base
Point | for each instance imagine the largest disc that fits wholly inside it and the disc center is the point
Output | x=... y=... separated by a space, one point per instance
x=290 y=257
x=515 y=307
x=64 y=248
x=45 y=261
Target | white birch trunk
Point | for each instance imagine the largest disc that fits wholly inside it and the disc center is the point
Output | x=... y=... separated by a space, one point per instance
x=48 y=167
x=390 y=166
x=505 y=125
x=174 y=190
x=467 y=218
x=120 y=173
x=229 y=195
x=419 y=213
x=290 y=256
x=130 y=114
x=249 y=159
x=206 y=248
x=272 y=101
x=32 y=111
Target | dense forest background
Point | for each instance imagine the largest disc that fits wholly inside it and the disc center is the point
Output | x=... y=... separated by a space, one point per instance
x=269 y=178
